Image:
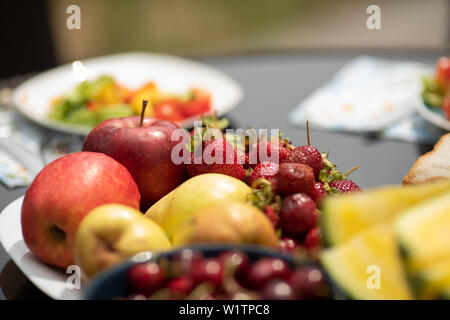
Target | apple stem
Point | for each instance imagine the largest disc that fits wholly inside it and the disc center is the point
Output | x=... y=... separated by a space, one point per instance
x=307 y=132
x=144 y=105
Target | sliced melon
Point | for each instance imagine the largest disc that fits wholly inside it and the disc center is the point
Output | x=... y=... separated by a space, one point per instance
x=346 y=215
x=424 y=233
x=433 y=282
x=354 y=266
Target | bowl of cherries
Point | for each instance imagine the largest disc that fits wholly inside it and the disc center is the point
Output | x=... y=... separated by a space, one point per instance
x=214 y=273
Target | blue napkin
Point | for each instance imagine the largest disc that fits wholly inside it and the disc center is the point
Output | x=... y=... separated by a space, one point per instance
x=370 y=95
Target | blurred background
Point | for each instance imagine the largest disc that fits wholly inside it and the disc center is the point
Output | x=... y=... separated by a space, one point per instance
x=34 y=35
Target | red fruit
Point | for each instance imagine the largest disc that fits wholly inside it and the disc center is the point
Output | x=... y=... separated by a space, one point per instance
x=146 y=151
x=446 y=106
x=183 y=284
x=318 y=192
x=278 y=290
x=200 y=103
x=298 y=214
x=443 y=71
x=182 y=261
x=266 y=269
x=207 y=270
x=288 y=244
x=63 y=193
x=294 y=178
x=267 y=151
x=266 y=170
x=146 y=278
x=345 y=186
x=168 y=110
x=309 y=283
x=310 y=156
x=219 y=156
x=313 y=238
x=236 y=260
x=272 y=215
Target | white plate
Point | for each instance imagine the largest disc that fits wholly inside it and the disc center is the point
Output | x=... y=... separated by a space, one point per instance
x=435 y=116
x=32 y=98
x=49 y=280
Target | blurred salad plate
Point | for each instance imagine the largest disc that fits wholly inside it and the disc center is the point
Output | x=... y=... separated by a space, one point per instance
x=434 y=102
x=75 y=97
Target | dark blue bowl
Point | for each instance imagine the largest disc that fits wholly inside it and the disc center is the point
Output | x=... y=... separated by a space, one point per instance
x=113 y=282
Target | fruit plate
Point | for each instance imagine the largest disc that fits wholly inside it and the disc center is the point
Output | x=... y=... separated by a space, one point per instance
x=49 y=280
x=172 y=74
x=433 y=115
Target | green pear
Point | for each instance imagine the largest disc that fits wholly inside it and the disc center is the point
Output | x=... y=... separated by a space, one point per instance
x=112 y=233
x=227 y=222
x=201 y=191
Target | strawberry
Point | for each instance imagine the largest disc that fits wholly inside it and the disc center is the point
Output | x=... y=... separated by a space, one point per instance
x=266 y=170
x=219 y=156
x=294 y=178
x=344 y=186
x=298 y=214
x=318 y=192
x=308 y=155
x=313 y=238
x=269 y=150
x=272 y=215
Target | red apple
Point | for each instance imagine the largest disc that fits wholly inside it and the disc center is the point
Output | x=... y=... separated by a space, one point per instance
x=63 y=193
x=144 y=150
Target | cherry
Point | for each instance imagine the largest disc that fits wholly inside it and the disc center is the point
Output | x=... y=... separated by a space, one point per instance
x=298 y=214
x=207 y=270
x=278 y=290
x=146 y=278
x=266 y=269
x=309 y=283
x=313 y=238
x=182 y=261
x=288 y=244
x=182 y=284
x=294 y=178
x=236 y=260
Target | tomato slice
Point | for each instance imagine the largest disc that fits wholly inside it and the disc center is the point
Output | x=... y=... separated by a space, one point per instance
x=443 y=72
x=199 y=104
x=168 y=110
x=446 y=106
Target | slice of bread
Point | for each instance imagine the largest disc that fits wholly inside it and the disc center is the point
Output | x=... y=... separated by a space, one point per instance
x=432 y=166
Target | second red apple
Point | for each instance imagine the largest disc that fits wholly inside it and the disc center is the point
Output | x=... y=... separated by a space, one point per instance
x=144 y=150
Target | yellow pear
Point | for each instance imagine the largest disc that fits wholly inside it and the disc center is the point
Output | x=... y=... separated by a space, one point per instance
x=227 y=222
x=111 y=233
x=199 y=192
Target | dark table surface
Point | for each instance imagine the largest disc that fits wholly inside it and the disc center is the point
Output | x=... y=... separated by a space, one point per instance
x=273 y=85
